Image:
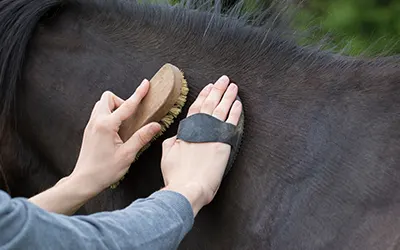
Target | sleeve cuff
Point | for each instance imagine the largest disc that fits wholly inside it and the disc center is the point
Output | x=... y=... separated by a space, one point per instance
x=179 y=204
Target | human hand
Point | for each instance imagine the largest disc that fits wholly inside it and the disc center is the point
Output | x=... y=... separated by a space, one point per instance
x=104 y=158
x=196 y=169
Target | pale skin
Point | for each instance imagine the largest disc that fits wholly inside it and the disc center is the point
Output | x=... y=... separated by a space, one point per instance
x=104 y=158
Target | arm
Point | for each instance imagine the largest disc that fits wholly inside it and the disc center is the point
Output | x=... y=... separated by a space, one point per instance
x=66 y=197
x=157 y=222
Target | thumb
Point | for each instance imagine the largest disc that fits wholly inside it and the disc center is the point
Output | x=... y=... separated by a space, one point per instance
x=139 y=139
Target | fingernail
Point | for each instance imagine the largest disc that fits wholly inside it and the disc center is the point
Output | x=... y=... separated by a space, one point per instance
x=144 y=81
x=232 y=87
x=224 y=78
x=237 y=103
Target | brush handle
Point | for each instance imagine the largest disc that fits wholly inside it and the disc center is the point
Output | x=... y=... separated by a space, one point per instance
x=164 y=92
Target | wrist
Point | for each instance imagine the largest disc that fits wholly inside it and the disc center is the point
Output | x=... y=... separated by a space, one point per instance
x=78 y=187
x=193 y=192
x=66 y=197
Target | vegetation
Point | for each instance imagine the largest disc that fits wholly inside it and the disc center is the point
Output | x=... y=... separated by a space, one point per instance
x=354 y=27
x=369 y=27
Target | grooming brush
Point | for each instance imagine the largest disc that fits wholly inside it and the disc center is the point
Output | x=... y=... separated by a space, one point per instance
x=163 y=103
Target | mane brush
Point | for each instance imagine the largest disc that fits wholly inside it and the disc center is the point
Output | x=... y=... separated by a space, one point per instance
x=163 y=103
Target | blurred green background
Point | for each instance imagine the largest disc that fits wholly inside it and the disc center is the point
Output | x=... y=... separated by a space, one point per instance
x=354 y=27
x=370 y=27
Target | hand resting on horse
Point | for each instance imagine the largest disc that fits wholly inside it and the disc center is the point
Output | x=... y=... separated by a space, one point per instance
x=191 y=181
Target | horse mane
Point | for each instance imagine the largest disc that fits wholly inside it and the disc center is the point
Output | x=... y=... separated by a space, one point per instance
x=18 y=19
x=214 y=25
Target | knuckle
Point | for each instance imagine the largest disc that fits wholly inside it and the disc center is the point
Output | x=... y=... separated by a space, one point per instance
x=100 y=123
x=219 y=90
x=124 y=155
x=219 y=112
x=141 y=138
x=194 y=109
x=210 y=104
x=127 y=154
x=204 y=93
x=107 y=93
x=130 y=105
x=139 y=93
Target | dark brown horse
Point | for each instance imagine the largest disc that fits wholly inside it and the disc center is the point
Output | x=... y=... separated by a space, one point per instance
x=320 y=163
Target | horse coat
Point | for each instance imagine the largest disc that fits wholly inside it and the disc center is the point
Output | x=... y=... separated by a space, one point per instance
x=319 y=163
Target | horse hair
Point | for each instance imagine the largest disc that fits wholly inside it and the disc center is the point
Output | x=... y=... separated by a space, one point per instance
x=18 y=19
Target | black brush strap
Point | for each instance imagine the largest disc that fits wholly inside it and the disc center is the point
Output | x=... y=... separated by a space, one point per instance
x=202 y=127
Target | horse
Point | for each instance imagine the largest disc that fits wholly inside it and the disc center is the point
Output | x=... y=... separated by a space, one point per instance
x=319 y=164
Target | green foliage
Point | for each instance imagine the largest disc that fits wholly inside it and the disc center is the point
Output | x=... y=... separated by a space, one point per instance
x=353 y=27
x=362 y=26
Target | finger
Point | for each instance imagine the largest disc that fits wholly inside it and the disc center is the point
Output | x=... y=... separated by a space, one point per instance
x=139 y=139
x=167 y=145
x=222 y=110
x=105 y=104
x=117 y=102
x=234 y=114
x=129 y=107
x=215 y=95
x=102 y=104
x=196 y=106
x=94 y=110
x=108 y=102
x=113 y=101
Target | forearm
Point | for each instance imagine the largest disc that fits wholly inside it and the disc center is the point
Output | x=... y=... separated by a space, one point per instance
x=66 y=197
x=158 y=222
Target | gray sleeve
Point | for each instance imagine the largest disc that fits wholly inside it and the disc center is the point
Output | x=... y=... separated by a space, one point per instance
x=157 y=222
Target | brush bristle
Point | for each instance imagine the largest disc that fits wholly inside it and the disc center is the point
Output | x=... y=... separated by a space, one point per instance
x=165 y=122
